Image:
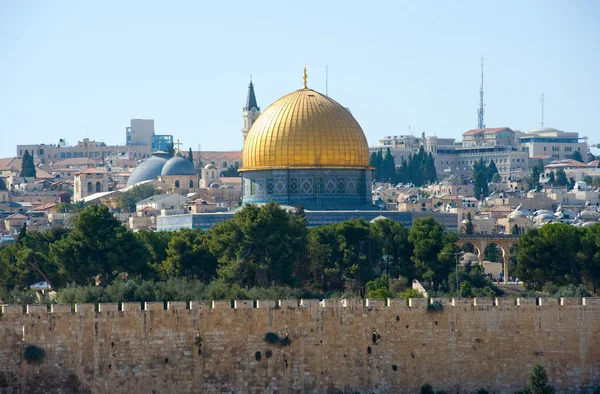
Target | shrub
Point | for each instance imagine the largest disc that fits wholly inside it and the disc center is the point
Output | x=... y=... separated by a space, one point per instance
x=410 y=293
x=435 y=306
x=34 y=354
x=271 y=338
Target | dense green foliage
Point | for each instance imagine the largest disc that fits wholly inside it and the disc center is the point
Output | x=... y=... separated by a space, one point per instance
x=128 y=199
x=269 y=247
x=559 y=254
x=482 y=176
x=230 y=172
x=27 y=165
x=419 y=169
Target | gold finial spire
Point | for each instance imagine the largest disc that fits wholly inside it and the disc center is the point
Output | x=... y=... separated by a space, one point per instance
x=305 y=77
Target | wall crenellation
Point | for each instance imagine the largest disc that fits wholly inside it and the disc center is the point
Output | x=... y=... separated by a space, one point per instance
x=413 y=303
x=315 y=346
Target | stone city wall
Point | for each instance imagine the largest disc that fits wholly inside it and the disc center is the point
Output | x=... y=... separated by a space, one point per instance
x=332 y=346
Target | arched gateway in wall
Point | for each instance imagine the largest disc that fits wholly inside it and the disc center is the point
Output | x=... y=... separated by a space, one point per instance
x=482 y=241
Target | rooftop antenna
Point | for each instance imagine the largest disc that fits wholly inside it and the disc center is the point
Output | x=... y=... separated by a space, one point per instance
x=480 y=123
x=542 y=99
x=326 y=80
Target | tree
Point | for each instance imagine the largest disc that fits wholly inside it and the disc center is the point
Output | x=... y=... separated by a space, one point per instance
x=571 y=184
x=551 y=179
x=190 y=156
x=171 y=149
x=128 y=199
x=492 y=170
x=259 y=246
x=230 y=172
x=561 y=178
x=389 y=166
x=515 y=230
x=534 y=180
x=392 y=239
x=434 y=250
x=577 y=156
x=549 y=255
x=480 y=180
x=496 y=178
x=538 y=382
x=589 y=255
x=27 y=165
x=468 y=227
x=22 y=232
x=188 y=256
x=98 y=249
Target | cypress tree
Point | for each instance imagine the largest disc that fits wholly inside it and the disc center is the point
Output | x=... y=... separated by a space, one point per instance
x=27 y=165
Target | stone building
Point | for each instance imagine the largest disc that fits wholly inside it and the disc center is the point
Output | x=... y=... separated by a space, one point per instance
x=306 y=149
x=90 y=181
x=179 y=173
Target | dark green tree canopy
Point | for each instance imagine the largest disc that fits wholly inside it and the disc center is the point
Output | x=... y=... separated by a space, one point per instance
x=27 y=165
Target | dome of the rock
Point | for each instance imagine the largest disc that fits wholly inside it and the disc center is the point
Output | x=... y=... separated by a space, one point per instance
x=307 y=150
x=305 y=129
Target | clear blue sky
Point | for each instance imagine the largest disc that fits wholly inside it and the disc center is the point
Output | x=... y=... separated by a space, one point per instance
x=68 y=66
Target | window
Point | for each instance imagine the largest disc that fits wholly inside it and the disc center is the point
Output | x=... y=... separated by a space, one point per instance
x=237 y=164
x=98 y=187
x=191 y=184
x=89 y=187
x=177 y=184
x=544 y=149
x=225 y=164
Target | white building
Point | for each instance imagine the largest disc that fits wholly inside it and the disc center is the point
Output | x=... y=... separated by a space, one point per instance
x=555 y=143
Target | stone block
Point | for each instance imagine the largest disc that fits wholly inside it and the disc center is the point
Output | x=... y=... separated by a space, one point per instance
x=483 y=302
x=243 y=304
x=548 y=301
x=462 y=301
x=37 y=308
x=199 y=304
x=330 y=302
x=309 y=303
x=443 y=301
x=61 y=308
x=12 y=310
x=288 y=303
x=398 y=303
x=266 y=304
x=108 y=307
x=505 y=301
x=591 y=301
x=154 y=306
x=131 y=306
x=83 y=309
x=418 y=303
x=352 y=302
x=526 y=301
x=375 y=303
x=570 y=301
x=176 y=305
x=222 y=304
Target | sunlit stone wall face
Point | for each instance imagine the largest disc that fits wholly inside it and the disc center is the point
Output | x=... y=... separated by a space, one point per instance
x=382 y=346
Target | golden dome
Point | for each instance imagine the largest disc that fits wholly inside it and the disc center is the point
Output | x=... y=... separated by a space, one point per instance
x=305 y=129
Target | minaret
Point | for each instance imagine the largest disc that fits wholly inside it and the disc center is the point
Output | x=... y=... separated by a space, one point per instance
x=250 y=111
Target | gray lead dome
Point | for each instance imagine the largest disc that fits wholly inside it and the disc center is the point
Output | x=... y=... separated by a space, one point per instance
x=178 y=165
x=148 y=169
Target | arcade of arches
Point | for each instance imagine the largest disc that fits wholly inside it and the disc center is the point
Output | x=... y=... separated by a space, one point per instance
x=482 y=241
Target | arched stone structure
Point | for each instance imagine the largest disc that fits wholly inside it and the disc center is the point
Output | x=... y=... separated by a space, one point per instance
x=482 y=241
